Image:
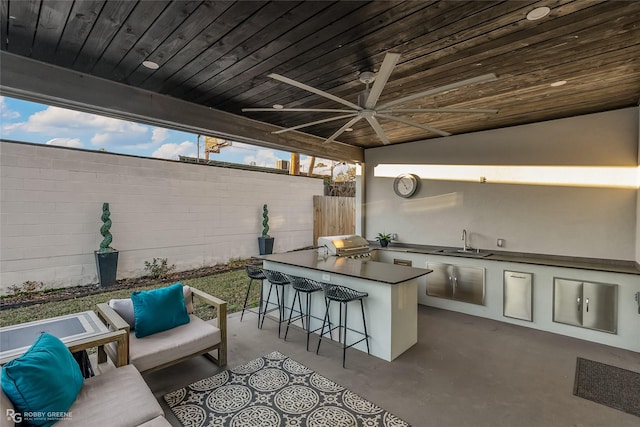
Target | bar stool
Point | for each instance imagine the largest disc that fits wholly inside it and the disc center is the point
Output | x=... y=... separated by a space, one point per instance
x=344 y=296
x=278 y=280
x=255 y=273
x=307 y=287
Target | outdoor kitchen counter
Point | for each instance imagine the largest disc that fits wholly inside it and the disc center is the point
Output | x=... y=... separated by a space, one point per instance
x=361 y=268
x=606 y=265
x=391 y=307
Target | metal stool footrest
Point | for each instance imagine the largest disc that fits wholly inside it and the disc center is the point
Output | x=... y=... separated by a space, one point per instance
x=254 y=273
x=343 y=295
x=306 y=286
x=278 y=280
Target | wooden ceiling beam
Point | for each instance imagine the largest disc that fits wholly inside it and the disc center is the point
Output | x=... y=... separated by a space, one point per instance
x=36 y=81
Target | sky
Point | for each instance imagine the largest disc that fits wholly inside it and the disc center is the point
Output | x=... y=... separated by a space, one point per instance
x=43 y=124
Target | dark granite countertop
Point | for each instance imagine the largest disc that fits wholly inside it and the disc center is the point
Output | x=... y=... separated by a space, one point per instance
x=361 y=268
x=612 y=266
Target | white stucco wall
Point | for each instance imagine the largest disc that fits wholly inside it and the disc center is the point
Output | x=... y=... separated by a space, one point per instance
x=560 y=220
x=638 y=205
x=193 y=215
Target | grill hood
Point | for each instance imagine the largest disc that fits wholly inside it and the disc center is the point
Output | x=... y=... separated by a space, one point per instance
x=345 y=245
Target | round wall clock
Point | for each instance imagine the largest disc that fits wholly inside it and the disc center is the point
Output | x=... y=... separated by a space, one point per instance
x=406 y=185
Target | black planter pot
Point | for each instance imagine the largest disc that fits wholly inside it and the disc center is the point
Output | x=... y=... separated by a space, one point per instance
x=107 y=264
x=383 y=242
x=265 y=245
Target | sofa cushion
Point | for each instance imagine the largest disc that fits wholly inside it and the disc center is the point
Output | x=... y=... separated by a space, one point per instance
x=117 y=397
x=173 y=344
x=124 y=307
x=6 y=405
x=159 y=310
x=156 y=422
x=45 y=379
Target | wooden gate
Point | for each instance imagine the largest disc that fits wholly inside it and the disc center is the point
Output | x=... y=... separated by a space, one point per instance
x=333 y=215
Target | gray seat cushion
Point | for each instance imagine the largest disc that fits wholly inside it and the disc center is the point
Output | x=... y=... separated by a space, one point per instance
x=167 y=346
x=118 y=397
x=5 y=404
x=157 y=422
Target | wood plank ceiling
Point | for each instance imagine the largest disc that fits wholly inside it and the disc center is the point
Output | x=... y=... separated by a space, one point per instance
x=218 y=54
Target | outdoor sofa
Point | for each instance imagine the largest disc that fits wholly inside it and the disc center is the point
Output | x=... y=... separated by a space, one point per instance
x=118 y=397
x=172 y=344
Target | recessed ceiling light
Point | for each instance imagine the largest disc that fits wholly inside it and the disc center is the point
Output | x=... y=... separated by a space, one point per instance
x=558 y=83
x=150 y=65
x=538 y=13
x=278 y=106
x=348 y=130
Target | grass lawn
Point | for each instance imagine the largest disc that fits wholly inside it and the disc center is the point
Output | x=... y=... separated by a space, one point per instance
x=230 y=286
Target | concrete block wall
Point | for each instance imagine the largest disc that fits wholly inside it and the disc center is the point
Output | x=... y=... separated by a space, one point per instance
x=193 y=215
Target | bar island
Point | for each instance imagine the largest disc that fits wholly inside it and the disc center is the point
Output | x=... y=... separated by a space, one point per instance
x=391 y=309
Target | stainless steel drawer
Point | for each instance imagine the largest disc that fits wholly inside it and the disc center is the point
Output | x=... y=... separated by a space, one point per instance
x=518 y=295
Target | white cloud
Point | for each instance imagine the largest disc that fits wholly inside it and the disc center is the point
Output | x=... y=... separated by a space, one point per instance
x=239 y=147
x=8 y=128
x=104 y=132
x=172 y=151
x=101 y=138
x=54 y=119
x=65 y=142
x=5 y=111
x=159 y=135
x=262 y=157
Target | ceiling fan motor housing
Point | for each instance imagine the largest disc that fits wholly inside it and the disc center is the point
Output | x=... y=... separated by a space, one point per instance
x=367 y=77
x=362 y=97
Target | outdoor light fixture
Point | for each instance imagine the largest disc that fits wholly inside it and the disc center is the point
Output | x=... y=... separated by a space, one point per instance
x=538 y=13
x=150 y=65
x=558 y=83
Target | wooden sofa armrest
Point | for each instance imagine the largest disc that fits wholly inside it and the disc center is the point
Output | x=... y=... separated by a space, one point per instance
x=114 y=322
x=221 y=309
x=110 y=318
x=120 y=337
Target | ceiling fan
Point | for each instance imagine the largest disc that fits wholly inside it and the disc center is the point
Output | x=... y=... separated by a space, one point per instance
x=367 y=107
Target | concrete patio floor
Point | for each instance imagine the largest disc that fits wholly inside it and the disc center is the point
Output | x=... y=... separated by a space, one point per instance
x=464 y=371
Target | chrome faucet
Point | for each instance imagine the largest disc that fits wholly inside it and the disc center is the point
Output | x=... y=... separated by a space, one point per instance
x=466 y=247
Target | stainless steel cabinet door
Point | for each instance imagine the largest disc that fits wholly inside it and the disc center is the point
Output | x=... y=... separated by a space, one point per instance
x=439 y=283
x=567 y=301
x=468 y=284
x=517 y=293
x=599 y=306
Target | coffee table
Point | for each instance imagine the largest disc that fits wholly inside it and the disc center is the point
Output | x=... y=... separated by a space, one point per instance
x=78 y=331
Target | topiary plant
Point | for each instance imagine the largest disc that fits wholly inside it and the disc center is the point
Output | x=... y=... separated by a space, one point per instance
x=265 y=222
x=107 y=238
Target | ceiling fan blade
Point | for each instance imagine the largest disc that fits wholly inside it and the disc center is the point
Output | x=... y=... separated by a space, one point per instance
x=388 y=64
x=415 y=124
x=317 y=122
x=313 y=90
x=379 y=131
x=480 y=79
x=302 y=110
x=343 y=128
x=440 y=110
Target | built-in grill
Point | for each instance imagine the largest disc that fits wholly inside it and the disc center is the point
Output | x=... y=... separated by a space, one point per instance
x=351 y=246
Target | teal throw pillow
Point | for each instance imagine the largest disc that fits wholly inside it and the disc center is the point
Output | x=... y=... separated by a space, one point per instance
x=158 y=310
x=44 y=382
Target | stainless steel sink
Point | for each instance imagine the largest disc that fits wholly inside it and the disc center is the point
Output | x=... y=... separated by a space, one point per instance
x=471 y=253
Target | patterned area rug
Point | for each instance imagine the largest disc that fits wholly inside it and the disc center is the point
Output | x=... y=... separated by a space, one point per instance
x=274 y=390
